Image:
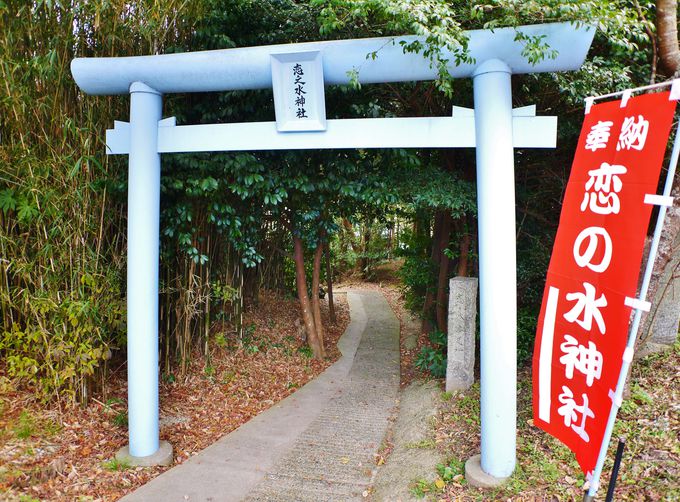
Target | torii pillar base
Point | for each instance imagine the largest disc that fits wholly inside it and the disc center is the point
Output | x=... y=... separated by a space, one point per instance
x=475 y=475
x=163 y=456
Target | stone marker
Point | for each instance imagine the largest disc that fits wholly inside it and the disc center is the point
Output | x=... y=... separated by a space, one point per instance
x=659 y=328
x=664 y=326
x=460 y=366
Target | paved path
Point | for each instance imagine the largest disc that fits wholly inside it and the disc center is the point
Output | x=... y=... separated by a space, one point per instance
x=317 y=444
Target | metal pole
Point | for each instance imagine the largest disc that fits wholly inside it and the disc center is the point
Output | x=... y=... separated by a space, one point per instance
x=142 y=270
x=497 y=266
x=615 y=470
x=632 y=336
x=634 y=89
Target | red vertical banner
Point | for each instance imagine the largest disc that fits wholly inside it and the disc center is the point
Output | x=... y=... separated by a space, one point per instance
x=593 y=274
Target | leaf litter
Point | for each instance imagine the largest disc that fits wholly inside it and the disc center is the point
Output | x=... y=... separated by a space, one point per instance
x=68 y=454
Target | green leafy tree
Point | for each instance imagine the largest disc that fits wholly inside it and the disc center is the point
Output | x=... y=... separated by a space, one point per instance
x=623 y=55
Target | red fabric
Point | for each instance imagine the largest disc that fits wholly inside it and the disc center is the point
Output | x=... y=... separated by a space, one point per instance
x=626 y=228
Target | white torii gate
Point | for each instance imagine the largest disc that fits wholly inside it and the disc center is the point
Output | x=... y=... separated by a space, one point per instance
x=494 y=128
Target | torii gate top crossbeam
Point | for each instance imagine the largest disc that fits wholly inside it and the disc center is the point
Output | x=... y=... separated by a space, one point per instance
x=250 y=67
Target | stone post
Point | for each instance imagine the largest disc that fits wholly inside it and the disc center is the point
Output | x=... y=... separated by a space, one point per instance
x=460 y=363
x=659 y=327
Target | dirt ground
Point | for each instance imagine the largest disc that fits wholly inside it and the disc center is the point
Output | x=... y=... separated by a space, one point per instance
x=47 y=453
x=546 y=470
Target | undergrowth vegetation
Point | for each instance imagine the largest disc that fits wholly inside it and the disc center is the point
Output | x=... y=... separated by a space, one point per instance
x=432 y=358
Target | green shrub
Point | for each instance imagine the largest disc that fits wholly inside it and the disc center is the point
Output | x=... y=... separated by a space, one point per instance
x=450 y=470
x=64 y=345
x=439 y=339
x=115 y=465
x=526 y=334
x=416 y=274
x=433 y=358
x=121 y=420
x=26 y=426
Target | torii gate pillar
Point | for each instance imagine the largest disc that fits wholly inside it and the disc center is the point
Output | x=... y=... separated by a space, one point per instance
x=497 y=270
x=144 y=189
x=143 y=236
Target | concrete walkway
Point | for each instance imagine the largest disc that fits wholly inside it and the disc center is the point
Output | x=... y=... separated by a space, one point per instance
x=317 y=444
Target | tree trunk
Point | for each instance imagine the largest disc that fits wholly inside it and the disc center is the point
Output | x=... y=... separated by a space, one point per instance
x=390 y=240
x=428 y=303
x=443 y=277
x=464 y=250
x=316 y=305
x=329 y=283
x=365 y=261
x=301 y=282
x=348 y=231
x=667 y=35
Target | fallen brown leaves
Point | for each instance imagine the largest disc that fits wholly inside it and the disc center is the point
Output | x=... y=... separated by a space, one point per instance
x=546 y=469
x=52 y=454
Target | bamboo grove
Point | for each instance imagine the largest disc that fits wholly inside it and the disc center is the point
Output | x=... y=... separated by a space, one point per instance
x=63 y=219
x=225 y=232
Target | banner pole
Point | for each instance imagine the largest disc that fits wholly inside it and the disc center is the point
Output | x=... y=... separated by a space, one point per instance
x=636 y=89
x=632 y=336
x=615 y=470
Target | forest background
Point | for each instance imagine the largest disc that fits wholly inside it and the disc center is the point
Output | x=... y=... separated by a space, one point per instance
x=234 y=224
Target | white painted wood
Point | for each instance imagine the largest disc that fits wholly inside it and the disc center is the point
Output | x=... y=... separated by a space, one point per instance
x=637 y=303
x=522 y=111
x=311 y=86
x=462 y=111
x=659 y=200
x=167 y=122
x=118 y=138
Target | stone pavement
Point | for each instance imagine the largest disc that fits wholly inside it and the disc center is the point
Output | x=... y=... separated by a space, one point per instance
x=318 y=444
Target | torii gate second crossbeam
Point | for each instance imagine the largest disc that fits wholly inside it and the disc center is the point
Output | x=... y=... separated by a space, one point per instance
x=493 y=128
